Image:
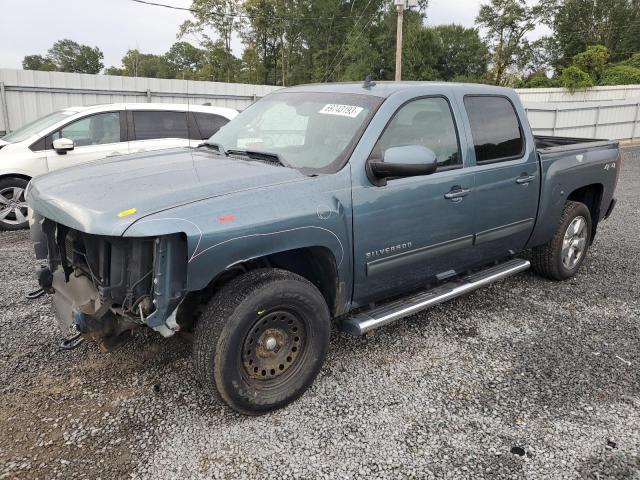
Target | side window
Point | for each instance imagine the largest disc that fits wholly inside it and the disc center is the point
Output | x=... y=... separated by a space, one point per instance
x=495 y=128
x=39 y=145
x=208 y=124
x=93 y=130
x=427 y=122
x=150 y=125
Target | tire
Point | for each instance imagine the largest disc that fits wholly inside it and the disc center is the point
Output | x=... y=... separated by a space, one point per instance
x=550 y=260
x=13 y=208
x=262 y=340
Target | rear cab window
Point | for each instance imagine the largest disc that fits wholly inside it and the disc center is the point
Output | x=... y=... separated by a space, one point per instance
x=495 y=127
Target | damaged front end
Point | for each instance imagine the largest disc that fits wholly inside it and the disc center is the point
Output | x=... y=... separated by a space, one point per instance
x=103 y=287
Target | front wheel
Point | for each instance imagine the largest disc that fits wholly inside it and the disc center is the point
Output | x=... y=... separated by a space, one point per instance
x=562 y=256
x=13 y=207
x=262 y=340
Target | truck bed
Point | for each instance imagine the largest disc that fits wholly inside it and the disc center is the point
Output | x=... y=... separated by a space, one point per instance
x=549 y=144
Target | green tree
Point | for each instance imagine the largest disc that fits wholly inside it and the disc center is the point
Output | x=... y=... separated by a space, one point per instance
x=70 y=56
x=222 y=16
x=67 y=56
x=592 y=61
x=185 y=60
x=539 y=80
x=506 y=22
x=116 y=71
x=580 y=23
x=218 y=66
x=461 y=53
x=38 y=62
x=137 y=64
x=633 y=61
x=621 y=75
x=575 y=79
x=251 y=70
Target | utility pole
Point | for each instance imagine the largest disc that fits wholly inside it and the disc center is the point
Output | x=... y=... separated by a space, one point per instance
x=400 y=4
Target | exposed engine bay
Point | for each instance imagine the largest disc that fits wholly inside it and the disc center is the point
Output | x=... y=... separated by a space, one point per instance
x=107 y=286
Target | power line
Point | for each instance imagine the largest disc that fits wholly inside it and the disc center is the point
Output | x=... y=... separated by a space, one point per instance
x=346 y=40
x=244 y=15
x=345 y=53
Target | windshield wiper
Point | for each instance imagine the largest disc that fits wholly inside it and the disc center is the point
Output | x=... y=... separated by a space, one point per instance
x=214 y=146
x=258 y=155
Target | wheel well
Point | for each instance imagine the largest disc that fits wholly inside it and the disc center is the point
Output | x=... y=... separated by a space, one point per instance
x=316 y=264
x=591 y=196
x=15 y=175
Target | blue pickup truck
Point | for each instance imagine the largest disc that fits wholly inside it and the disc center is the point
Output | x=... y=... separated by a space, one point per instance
x=354 y=203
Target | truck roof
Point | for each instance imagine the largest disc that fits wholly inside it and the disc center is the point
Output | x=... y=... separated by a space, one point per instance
x=385 y=89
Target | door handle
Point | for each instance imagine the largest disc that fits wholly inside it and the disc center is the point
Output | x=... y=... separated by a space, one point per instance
x=114 y=154
x=525 y=179
x=457 y=193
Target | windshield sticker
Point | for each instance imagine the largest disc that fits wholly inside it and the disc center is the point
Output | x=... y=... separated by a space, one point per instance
x=341 y=110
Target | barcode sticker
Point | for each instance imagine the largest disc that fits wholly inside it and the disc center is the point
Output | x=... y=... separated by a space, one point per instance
x=341 y=110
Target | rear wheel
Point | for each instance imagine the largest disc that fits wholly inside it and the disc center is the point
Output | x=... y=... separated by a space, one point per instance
x=13 y=207
x=562 y=256
x=262 y=340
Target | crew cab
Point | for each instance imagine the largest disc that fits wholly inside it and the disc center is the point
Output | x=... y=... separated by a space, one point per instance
x=354 y=203
x=81 y=134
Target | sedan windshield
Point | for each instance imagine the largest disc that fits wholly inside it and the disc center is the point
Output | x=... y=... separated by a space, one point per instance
x=313 y=132
x=37 y=126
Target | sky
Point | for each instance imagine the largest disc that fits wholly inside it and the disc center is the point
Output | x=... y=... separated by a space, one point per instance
x=31 y=26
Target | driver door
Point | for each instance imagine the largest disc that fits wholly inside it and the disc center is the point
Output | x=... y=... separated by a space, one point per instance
x=416 y=230
x=95 y=137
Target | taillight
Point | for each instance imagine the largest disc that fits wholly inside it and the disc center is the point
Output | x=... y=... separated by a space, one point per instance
x=618 y=168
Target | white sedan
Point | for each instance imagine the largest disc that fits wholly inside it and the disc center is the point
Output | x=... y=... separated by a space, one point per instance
x=81 y=134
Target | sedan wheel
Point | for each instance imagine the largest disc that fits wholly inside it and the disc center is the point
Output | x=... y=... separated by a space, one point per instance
x=13 y=207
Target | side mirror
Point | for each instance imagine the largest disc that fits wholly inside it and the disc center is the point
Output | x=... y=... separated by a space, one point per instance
x=406 y=161
x=63 y=145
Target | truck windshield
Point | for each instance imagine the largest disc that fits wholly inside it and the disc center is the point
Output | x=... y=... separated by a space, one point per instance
x=313 y=132
x=37 y=126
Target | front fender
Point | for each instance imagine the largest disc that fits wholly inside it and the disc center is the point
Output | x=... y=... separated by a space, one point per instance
x=225 y=231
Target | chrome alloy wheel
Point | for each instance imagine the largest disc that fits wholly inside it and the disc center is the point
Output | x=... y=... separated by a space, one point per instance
x=574 y=243
x=13 y=207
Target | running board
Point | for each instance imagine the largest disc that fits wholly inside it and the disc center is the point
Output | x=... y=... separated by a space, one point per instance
x=364 y=322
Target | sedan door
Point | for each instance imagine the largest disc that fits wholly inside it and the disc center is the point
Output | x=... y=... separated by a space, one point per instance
x=157 y=129
x=95 y=136
x=417 y=230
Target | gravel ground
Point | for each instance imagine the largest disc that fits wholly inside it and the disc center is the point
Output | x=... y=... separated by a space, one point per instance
x=524 y=379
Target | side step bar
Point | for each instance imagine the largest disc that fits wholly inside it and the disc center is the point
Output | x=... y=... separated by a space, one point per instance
x=364 y=322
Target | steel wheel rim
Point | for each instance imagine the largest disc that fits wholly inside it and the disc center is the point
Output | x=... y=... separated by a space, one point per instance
x=274 y=346
x=574 y=242
x=13 y=207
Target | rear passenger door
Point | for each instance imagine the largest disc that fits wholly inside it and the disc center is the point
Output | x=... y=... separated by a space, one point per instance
x=506 y=176
x=157 y=129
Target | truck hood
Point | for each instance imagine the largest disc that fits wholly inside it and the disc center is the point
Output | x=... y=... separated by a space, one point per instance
x=105 y=197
